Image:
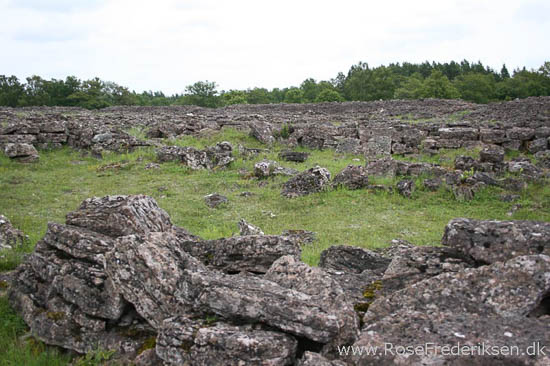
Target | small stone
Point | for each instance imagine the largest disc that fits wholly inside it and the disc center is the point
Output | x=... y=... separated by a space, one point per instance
x=214 y=200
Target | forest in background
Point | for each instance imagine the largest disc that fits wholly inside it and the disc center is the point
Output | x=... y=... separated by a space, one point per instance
x=454 y=80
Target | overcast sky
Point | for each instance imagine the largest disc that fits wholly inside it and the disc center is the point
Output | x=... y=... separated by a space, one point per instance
x=168 y=44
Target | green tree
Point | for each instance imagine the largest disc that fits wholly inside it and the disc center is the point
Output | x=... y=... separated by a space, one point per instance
x=411 y=88
x=233 y=97
x=202 y=94
x=438 y=85
x=258 y=96
x=329 y=95
x=476 y=87
x=294 y=95
x=310 y=90
x=11 y=90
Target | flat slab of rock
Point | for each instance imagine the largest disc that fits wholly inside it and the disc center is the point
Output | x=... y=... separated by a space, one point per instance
x=494 y=241
x=182 y=341
x=296 y=156
x=352 y=259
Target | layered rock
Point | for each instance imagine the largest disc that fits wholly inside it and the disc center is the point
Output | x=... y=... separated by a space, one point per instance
x=494 y=241
x=216 y=156
x=310 y=181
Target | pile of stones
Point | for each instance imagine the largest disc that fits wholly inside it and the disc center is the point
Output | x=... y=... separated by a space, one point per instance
x=119 y=275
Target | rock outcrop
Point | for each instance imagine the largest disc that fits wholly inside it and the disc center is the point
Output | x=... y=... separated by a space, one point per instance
x=310 y=181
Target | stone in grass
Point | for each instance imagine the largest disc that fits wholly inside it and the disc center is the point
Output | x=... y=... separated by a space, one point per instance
x=246 y=228
x=296 y=156
x=352 y=177
x=432 y=184
x=312 y=180
x=24 y=153
x=214 y=200
x=406 y=187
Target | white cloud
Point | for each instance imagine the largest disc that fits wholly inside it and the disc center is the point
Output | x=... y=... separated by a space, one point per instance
x=168 y=44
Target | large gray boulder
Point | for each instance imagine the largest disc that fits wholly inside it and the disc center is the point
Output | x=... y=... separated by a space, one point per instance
x=496 y=241
x=492 y=306
x=352 y=177
x=310 y=181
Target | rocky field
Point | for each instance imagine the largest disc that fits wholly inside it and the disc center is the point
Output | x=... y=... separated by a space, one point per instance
x=382 y=233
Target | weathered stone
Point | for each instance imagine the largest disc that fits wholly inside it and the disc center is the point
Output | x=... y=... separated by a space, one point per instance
x=518 y=133
x=301 y=237
x=116 y=216
x=17 y=139
x=54 y=127
x=465 y=163
x=382 y=167
x=310 y=181
x=10 y=237
x=459 y=133
x=349 y=146
x=525 y=168
x=216 y=156
x=185 y=342
x=537 y=145
x=492 y=135
x=352 y=259
x=490 y=306
x=269 y=168
x=296 y=156
x=352 y=177
x=543 y=159
x=290 y=273
x=163 y=281
x=406 y=187
x=541 y=132
x=463 y=192
x=248 y=229
x=493 y=241
x=453 y=178
x=378 y=146
x=513 y=145
x=262 y=131
x=492 y=154
x=25 y=153
x=213 y=200
x=249 y=253
x=432 y=184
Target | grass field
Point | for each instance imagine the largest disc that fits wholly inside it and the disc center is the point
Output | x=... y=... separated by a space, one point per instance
x=33 y=195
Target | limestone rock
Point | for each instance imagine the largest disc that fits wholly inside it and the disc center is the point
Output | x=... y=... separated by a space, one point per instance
x=310 y=181
x=163 y=281
x=184 y=342
x=406 y=187
x=120 y=215
x=352 y=177
x=494 y=305
x=296 y=156
x=494 y=241
x=352 y=259
x=214 y=200
x=248 y=229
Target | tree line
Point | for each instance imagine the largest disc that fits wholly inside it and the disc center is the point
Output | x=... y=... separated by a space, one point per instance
x=468 y=81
